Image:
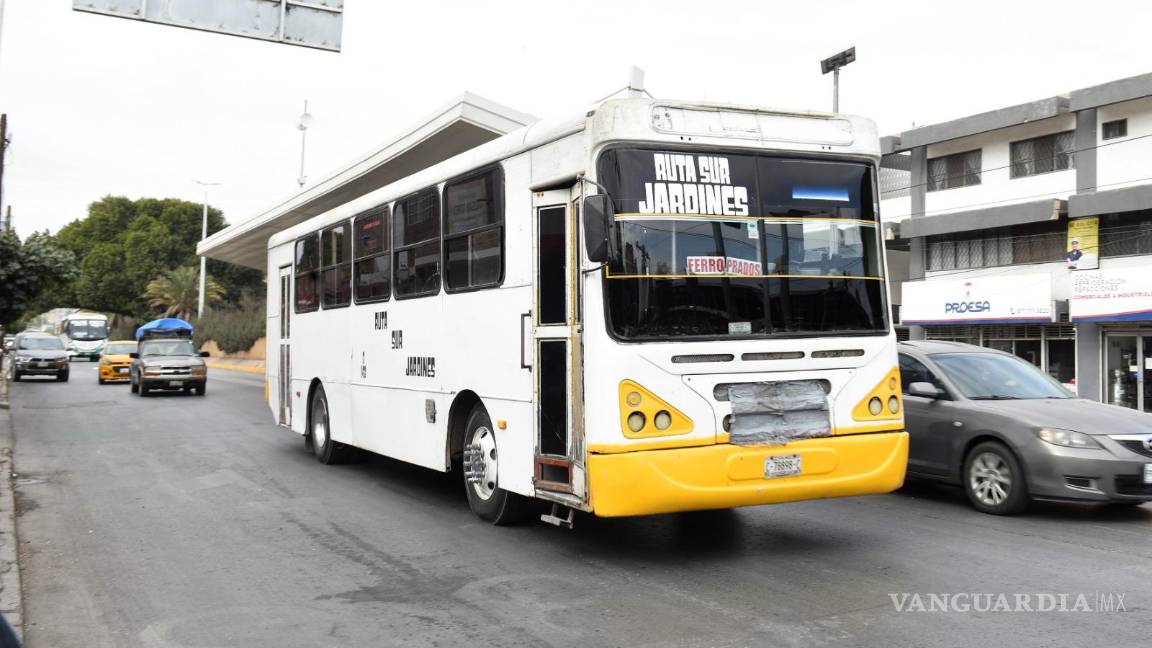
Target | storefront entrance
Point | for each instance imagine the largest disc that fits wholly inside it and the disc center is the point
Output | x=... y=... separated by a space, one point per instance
x=1128 y=370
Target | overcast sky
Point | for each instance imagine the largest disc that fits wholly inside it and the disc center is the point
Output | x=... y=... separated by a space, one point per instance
x=102 y=106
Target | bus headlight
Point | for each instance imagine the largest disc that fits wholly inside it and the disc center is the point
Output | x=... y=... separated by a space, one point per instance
x=636 y=421
x=893 y=404
x=875 y=407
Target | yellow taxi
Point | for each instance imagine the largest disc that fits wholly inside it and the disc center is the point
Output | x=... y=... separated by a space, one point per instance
x=114 y=361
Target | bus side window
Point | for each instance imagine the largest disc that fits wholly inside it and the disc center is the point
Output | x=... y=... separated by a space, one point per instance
x=474 y=231
x=372 y=270
x=307 y=274
x=416 y=235
x=336 y=266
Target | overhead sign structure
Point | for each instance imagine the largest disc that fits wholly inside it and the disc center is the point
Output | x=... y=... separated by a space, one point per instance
x=1114 y=295
x=310 y=23
x=1014 y=299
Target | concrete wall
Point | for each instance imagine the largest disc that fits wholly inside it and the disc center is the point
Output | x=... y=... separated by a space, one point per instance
x=1125 y=162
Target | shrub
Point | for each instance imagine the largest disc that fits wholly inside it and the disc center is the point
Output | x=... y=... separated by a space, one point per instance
x=233 y=329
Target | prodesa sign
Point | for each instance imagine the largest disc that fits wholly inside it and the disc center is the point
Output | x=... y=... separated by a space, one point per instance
x=1010 y=299
x=968 y=307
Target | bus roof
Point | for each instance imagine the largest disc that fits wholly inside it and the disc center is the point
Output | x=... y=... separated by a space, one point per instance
x=629 y=119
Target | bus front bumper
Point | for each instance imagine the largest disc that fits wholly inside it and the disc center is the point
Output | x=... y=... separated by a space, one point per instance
x=724 y=476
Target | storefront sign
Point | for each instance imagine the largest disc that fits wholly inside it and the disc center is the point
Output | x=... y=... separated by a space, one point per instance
x=1017 y=299
x=1114 y=295
x=1083 y=247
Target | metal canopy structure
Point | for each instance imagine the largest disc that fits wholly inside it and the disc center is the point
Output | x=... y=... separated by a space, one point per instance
x=310 y=23
x=461 y=125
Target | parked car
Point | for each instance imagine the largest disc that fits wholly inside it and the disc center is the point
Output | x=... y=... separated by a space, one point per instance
x=168 y=363
x=1008 y=433
x=116 y=361
x=39 y=354
x=9 y=341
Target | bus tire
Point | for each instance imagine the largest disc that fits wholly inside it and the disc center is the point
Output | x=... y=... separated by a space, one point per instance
x=327 y=451
x=481 y=477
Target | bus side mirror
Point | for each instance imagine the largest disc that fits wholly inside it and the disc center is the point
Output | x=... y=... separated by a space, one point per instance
x=598 y=213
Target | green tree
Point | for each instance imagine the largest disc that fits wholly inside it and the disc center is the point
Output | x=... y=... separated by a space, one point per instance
x=28 y=269
x=122 y=245
x=177 y=292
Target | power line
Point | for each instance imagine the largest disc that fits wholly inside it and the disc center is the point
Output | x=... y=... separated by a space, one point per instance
x=959 y=208
x=1017 y=163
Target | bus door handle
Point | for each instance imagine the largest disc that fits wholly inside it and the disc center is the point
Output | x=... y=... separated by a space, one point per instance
x=526 y=335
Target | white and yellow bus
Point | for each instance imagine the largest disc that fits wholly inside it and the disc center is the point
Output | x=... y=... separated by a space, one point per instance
x=651 y=307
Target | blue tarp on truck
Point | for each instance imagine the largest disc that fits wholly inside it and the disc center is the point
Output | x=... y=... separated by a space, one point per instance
x=166 y=327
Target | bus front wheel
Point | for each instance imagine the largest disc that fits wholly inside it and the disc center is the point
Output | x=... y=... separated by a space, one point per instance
x=320 y=431
x=481 y=474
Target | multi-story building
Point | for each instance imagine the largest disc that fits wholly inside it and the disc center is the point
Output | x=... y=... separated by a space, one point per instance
x=1029 y=229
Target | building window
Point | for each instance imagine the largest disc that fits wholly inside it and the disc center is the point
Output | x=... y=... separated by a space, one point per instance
x=474 y=231
x=307 y=274
x=372 y=269
x=946 y=253
x=416 y=237
x=1042 y=155
x=336 y=266
x=1126 y=234
x=1114 y=129
x=952 y=171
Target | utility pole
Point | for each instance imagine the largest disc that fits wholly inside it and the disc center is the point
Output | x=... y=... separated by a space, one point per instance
x=3 y=144
x=203 y=259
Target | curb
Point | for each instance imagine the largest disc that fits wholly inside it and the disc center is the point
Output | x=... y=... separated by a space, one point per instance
x=213 y=364
x=11 y=594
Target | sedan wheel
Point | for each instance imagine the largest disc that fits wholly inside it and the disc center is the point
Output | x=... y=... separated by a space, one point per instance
x=994 y=481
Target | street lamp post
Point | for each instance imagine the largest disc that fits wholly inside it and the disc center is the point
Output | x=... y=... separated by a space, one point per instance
x=305 y=122
x=203 y=235
x=833 y=64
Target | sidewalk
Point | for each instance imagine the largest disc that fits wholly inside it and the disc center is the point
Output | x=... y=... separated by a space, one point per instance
x=11 y=598
x=235 y=364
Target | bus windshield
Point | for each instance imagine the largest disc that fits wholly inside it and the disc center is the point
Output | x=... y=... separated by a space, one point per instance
x=718 y=245
x=87 y=329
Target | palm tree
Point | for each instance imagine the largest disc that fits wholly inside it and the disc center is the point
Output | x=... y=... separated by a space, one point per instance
x=178 y=291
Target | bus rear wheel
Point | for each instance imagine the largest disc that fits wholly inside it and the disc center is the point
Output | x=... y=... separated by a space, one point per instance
x=481 y=474
x=327 y=451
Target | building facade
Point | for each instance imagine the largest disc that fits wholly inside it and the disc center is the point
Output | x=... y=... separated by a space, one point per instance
x=1029 y=229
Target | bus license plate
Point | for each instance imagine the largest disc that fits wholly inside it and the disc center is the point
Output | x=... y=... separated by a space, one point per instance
x=781 y=466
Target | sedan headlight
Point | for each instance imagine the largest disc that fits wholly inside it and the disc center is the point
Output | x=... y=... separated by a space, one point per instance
x=1066 y=438
x=21 y=359
x=152 y=371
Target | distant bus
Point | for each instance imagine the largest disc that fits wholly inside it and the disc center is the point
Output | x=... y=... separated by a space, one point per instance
x=84 y=334
x=650 y=307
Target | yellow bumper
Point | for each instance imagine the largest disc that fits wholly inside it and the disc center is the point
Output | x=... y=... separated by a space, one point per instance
x=111 y=372
x=725 y=476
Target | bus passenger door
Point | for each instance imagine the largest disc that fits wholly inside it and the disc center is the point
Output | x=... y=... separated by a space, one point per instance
x=556 y=359
x=284 y=367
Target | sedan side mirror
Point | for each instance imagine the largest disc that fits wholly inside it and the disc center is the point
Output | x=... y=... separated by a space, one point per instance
x=133 y=355
x=924 y=389
x=205 y=354
x=598 y=213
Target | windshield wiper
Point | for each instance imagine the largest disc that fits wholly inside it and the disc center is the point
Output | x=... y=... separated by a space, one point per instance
x=996 y=397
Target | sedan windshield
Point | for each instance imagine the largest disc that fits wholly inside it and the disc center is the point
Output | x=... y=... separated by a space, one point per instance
x=741 y=245
x=991 y=376
x=42 y=343
x=123 y=348
x=167 y=348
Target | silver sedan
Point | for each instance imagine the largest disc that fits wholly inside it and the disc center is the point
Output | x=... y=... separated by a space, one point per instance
x=1008 y=433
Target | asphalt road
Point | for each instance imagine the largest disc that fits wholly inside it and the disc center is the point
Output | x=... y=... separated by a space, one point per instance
x=186 y=521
